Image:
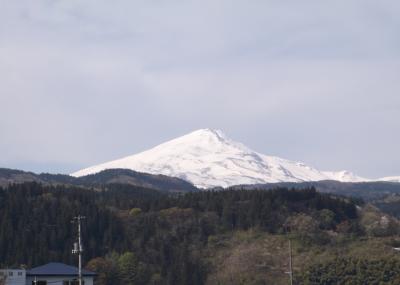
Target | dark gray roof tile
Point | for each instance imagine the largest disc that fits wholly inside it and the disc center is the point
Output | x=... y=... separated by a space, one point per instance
x=55 y=268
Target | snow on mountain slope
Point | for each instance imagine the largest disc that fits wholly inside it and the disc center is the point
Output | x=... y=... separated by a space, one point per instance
x=344 y=176
x=208 y=158
x=390 y=179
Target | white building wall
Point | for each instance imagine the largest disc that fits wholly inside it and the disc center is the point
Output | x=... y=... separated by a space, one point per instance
x=56 y=280
x=13 y=276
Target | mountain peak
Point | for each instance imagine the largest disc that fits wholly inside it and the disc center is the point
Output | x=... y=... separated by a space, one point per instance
x=215 y=134
x=208 y=131
x=208 y=158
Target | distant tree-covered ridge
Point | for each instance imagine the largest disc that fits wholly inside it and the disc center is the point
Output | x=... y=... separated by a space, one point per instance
x=105 y=177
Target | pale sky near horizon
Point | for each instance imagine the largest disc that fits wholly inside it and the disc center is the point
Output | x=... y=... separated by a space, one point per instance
x=88 y=81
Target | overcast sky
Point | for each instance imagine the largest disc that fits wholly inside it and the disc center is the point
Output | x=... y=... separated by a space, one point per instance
x=87 y=81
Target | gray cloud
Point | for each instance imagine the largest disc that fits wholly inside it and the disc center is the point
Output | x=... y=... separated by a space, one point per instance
x=83 y=82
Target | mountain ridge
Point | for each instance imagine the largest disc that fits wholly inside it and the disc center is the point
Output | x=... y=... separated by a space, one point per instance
x=208 y=158
x=109 y=176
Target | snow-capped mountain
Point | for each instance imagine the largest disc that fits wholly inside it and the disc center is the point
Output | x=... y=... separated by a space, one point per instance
x=208 y=158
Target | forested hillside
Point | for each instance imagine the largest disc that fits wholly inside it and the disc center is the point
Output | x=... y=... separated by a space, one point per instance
x=134 y=235
x=109 y=176
x=369 y=191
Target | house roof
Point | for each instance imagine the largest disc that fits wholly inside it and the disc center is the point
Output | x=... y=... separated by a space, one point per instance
x=57 y=269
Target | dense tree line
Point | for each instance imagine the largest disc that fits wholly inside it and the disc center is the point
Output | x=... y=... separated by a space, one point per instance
x=354 y=271
x=35 y=225
x=141 y=236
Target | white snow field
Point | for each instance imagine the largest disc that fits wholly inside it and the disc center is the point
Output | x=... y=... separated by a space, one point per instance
x=208 y=158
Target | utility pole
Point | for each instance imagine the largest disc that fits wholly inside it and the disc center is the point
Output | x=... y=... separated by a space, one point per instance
x=290 y=263
x=78 y=249
x=290 y=272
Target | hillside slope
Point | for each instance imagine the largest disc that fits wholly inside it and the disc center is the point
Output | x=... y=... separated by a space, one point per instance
x=111 y=176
